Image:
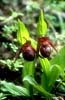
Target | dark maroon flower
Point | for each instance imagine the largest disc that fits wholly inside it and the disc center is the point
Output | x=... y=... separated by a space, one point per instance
x=28 y=51
x=45 y=50
x=45 y=45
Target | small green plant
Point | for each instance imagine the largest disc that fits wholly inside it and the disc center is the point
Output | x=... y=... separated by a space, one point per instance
x=39 y=50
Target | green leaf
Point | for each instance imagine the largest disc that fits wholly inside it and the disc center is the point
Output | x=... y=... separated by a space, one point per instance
x=59 y=59
x=55 y=71
x=23 y=34
x=50 y=74
x=11 y=64
x=62 y=87
x=28 y=69
x=38 y=87
x=2 y=96
x=13 y=89
x=41 y=26
x=63 y=83
x=45 y=64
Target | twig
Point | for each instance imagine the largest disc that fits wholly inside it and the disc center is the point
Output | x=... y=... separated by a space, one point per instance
x=48 y=9
x=52 y=27
x=14 y=15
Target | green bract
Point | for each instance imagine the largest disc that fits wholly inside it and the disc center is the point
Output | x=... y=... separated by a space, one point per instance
x=41 y=26
x=23 y=34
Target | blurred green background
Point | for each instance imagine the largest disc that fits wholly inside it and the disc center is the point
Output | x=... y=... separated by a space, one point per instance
x=28 y=12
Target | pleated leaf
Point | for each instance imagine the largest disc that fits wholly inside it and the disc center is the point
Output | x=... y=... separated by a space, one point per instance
x=38 y=87
x=59 y=59
x=13 y=89
x=45 y=64
x=55 y=71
